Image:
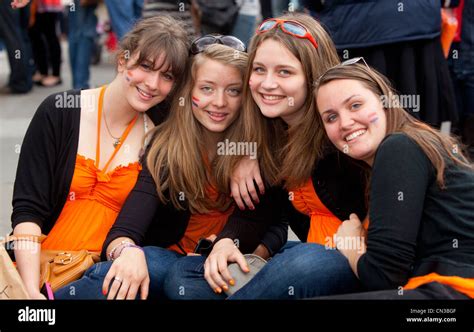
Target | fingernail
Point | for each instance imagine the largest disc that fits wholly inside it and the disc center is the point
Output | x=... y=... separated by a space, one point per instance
x=104 y=292
x=218 y=290
x=232 y=282
x=247 y=269
x=225 y=287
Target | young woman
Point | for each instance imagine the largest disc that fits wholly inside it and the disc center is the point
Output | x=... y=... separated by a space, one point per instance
x=80 y=155
x=182 y=194
x=421 y=232
x=286 y=57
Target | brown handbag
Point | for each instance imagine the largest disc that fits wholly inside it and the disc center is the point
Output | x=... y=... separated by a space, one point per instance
x=59 y=267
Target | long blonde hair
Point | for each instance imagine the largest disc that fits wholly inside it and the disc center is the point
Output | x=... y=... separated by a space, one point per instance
x=288 y=154
x=176 y=156
x=437 y=146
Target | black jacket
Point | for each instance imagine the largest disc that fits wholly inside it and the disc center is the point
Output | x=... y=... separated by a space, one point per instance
x=365 y=23
x=415 y=227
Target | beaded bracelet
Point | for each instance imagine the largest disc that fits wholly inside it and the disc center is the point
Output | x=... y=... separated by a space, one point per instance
x=124 y=244
x=128 y=245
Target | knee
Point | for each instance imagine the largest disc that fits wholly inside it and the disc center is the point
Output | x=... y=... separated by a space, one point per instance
x=175 y=280
x=98 y=270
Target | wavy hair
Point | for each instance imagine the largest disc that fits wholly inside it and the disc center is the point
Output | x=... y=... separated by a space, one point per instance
x=176 y=158
x=288 y=154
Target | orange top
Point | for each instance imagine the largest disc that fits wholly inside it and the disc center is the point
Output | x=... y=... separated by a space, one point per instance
x=462 y=285
x=323 y=224
x=202 y=226
x=95 y=198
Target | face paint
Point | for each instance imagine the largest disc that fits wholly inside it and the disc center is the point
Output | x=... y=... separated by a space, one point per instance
x=128 y=76
x=373 y=117
x=195 y=101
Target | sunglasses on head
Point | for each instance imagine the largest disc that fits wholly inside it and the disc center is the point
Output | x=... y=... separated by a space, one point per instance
x=346 y=63
x=289 y=27
x=200 y=44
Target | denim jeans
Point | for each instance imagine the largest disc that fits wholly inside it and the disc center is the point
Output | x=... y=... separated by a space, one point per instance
x=90 y=285
x=123 y=14
x=244 y=28
x=82 y=32
x=299 y=270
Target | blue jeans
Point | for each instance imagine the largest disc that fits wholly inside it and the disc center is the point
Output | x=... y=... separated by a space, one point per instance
x=90 y=285
x=82 y=32
x=299 y=270
x=244 y=28
x=123 y=14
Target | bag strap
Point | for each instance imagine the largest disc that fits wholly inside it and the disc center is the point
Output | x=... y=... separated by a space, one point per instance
x=28 y=237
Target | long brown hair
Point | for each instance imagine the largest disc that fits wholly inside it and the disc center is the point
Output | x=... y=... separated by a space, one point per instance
x=176 y=156
x=288 y=153
x=437 y=146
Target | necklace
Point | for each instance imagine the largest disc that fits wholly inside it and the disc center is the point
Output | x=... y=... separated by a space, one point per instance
x=117 y=139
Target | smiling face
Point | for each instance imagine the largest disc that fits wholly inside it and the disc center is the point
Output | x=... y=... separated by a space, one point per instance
x=277 y=82
x=353 y=117
x=216 y=95
x=146 y=85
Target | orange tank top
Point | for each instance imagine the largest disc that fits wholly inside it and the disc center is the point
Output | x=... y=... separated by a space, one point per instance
x=323 y=224
x=202 y=226
x=95 y=198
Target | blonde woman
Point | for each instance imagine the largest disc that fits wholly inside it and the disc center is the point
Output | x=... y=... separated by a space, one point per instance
x=323 y=187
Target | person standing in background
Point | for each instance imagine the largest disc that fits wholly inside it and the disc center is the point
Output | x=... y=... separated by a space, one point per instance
x=123 y=14
x=462 y=67
x=45 y=41
x=181 y=10
x=401 y=39
x=13 y=31
x=82 y=31
x=244 y=26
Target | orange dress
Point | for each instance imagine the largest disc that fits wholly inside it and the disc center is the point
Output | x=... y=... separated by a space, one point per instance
x=202 y=226
x=323 y=224
x=95 y=199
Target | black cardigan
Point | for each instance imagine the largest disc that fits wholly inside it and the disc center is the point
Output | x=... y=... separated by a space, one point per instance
x=48 y=156
x=46 y=167
x=415 y=227
x=147 y=221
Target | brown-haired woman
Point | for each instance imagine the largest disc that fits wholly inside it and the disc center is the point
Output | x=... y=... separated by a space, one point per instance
x=420 y=240
x=80 y=155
